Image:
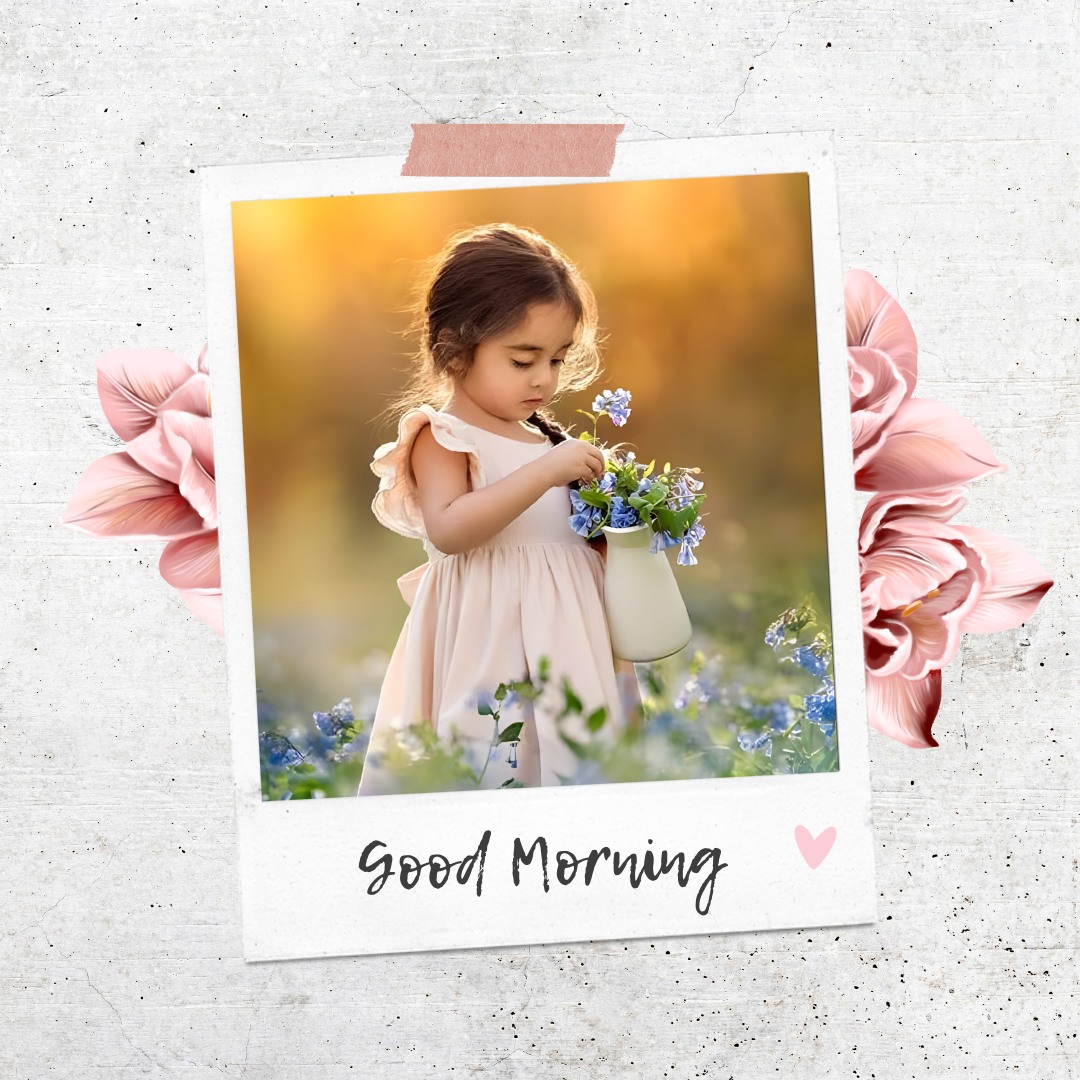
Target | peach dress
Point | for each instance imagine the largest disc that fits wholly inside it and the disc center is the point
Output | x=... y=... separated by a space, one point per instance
x=488 y=615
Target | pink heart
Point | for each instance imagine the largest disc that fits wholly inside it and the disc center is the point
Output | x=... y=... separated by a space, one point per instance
x=814 y=850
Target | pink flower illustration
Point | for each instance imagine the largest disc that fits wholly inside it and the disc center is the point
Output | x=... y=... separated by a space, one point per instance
x=926 y=445
x=161 y=485
x=924 y=580
x=881 y=360
x=900 y=443
x=924 y=583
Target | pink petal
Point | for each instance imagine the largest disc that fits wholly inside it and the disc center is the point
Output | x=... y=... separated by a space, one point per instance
x=927 y=445
x=876 y=388
x=197 y=432
x=192 y=563
x=116 y=497
x=876 y=320
x=871 y=598
x=887 y=645
x=206 y=605
x=884 y=509
x=204 y=359
x=197 y=483
x=904 y=709
x=132 y=384
x=911 y=566
x=192 y=397
x=1016 y=584
x=180 y=448
x=937 y=624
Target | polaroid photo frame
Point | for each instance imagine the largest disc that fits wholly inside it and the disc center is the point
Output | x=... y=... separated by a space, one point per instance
x=305 y=312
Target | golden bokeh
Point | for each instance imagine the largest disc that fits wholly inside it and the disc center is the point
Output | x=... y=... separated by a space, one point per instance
x=706 y=299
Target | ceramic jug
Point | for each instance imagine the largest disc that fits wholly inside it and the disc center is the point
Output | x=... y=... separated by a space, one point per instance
x=647 y=617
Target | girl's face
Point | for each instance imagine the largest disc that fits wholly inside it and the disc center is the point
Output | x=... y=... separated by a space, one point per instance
x=516 y=373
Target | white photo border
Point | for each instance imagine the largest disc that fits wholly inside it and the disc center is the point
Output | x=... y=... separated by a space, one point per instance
x=303 y=892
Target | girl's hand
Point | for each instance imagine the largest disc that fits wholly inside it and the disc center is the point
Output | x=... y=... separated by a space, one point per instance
x=573 y=460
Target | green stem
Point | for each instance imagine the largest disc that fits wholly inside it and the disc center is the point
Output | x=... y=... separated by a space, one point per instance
x=491 y=746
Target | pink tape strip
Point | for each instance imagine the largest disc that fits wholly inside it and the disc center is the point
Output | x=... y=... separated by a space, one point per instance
x=512 y=150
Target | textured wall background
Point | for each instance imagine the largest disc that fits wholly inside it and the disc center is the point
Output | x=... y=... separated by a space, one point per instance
x=958 y=157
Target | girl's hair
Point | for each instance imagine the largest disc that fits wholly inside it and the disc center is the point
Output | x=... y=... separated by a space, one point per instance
x=480 y=285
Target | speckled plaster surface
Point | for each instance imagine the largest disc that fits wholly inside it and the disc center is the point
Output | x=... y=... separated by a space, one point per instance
x=958 y=157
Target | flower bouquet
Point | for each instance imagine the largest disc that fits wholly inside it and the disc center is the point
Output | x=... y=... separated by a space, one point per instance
x=641 y=513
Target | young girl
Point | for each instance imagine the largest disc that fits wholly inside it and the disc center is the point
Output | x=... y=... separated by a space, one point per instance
x=481 y=475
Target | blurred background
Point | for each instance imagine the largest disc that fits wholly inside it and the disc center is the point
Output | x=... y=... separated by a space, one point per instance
x=706 y=301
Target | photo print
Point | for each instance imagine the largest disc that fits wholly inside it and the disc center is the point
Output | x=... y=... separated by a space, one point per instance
x=537 y=495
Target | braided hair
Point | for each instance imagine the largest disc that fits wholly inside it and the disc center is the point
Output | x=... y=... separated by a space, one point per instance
x=549 y=426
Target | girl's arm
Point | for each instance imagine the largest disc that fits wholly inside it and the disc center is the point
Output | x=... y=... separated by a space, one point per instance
x=457 y=519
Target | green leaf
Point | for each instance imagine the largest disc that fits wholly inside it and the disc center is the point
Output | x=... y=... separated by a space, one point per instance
x=545 y=668
x=512 y=732
x=586 y=436
x=573 y=702
x=654 y=678
x=501 y=692
x=588 y=414
x=591 y=497
x=511 y=783
x=684 y=518
x=484 y=709
x=578 y=749
x=666 y=520
x=595 y=720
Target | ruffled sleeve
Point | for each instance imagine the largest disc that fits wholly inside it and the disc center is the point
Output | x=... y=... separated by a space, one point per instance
x=397 y=504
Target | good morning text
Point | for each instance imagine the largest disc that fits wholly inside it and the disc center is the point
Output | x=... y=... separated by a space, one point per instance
x=532 y=860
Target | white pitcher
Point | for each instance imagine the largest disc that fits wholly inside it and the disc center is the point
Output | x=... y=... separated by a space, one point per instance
x=646 y=614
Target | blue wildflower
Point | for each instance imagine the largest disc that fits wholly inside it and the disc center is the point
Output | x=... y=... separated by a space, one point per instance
x=751 y=740
x=698 y=688
x=662 y=540
x=644 y=486
x=811 y=659
x=776 y=634
x=779 y=714
x=681 y=494
x=340 y=716
x=690 y=541
x=821 y=708
x=607 y=483
x=585 y=518
x=615 y=403
x=622 y=515
x=278 y=750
